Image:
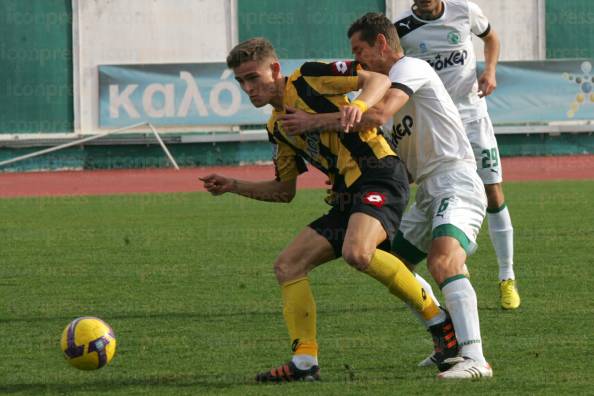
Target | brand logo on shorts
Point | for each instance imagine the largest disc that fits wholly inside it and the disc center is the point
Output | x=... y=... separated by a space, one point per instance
x=376 y=199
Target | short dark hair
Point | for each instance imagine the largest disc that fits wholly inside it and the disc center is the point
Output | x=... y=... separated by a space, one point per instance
x=372 y=24
x=254 y=49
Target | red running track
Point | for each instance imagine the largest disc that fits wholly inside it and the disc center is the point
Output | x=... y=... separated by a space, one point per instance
x=103 y=182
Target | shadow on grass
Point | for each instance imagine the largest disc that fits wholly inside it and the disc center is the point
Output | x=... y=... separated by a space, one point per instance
x=204 y=315
x=158 y=384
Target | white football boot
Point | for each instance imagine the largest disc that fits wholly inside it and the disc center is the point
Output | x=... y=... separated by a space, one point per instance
x=466 y=368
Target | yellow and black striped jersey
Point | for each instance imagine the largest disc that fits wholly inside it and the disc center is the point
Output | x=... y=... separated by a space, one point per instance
x=318 y=87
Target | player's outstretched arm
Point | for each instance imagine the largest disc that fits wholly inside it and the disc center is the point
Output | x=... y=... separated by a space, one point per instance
x=487 y=81
x=299 y=122
x=269 y=190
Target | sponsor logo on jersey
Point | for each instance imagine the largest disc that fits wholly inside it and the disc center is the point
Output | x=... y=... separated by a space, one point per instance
x=423 y=47
x=454 y=37
x=454 y=58
x=374 y=198
x=399 y=131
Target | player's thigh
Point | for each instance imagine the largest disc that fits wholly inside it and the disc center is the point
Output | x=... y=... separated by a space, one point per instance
x=364 y=233
x=308 y=250
x=486 y=152
x=364 y=230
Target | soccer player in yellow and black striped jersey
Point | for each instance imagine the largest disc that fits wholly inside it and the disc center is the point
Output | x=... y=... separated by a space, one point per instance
x=370 y=189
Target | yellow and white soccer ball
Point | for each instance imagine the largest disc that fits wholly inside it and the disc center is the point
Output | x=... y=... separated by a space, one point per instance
x=88 y=343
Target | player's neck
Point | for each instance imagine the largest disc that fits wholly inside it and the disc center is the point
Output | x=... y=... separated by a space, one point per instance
x=430 y=15
x=390 y=61
x=278 y=100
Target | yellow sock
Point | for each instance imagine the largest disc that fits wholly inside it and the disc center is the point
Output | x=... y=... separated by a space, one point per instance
x=402 y=283
x=299 y=310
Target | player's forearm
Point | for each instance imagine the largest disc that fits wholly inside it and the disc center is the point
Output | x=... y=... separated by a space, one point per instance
x=373 y=88
x=326 y=121
x=373 y=118
x=492 y=49
x=269 y=191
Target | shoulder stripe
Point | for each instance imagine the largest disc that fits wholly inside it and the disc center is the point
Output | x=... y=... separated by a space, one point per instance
x=407 y=90
x=407 y=25
x=320 y=69
x=486 y=32
x=312 y=98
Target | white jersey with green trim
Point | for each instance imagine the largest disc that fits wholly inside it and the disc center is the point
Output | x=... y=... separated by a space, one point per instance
x=446 y=44
x=427 y=131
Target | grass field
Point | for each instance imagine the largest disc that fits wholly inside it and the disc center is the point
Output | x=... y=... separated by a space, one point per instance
x=186 y=282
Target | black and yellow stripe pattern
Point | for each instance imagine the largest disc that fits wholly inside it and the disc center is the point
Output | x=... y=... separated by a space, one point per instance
x=318 y=87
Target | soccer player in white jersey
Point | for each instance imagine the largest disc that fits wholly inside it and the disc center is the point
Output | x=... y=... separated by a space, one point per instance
x=450 y=204
x=440 y=32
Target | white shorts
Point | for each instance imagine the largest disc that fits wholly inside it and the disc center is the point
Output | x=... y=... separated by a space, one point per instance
x=452 y=203
x=484 y=145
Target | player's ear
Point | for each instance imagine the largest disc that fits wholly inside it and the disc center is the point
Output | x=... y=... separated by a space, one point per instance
x=276 y=69
x=381 y=42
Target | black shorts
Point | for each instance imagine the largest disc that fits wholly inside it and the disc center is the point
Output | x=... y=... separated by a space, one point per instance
x=381 y=192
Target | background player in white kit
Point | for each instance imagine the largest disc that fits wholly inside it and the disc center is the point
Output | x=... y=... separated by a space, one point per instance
x=439 y=32
x=443 y=223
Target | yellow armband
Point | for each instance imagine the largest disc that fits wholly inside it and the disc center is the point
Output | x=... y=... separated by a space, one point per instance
x=360 y=104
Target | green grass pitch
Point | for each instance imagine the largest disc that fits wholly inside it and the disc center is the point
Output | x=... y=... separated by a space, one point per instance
x=186 y=282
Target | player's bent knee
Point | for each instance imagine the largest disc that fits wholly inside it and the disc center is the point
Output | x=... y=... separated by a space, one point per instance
x=357 y=257
x=289 y=268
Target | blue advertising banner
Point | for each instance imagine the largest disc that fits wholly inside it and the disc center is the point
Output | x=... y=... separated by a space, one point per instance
x=543 y=91
x=207 y=94
x=176 y=95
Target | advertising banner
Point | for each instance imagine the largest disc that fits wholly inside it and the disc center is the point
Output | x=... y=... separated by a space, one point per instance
x=206 y=94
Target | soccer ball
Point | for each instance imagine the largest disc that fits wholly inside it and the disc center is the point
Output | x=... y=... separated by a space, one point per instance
x=88 y=343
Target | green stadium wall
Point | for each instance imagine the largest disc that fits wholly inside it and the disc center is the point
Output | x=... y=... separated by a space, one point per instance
x=570 y=29
x=304 y=29
x=36 y=72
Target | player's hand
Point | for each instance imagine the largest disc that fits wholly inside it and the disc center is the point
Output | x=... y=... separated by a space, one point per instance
x=296 y=122
x=487 y=83
x=217 y=184
x=349 y=116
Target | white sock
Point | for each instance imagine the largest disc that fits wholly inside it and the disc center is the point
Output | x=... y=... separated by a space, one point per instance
x=502 y=237
x=460 y=299
x=304 y=362
x=429 y=290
